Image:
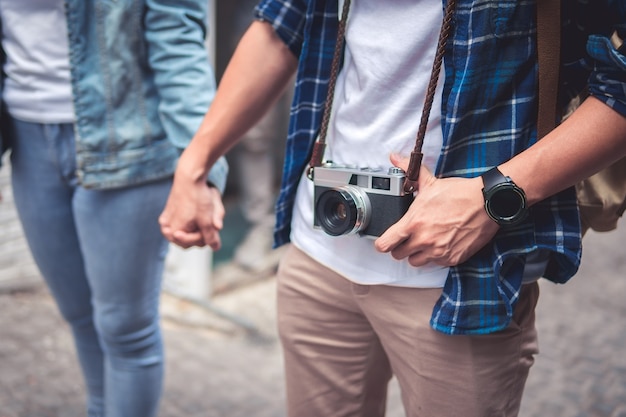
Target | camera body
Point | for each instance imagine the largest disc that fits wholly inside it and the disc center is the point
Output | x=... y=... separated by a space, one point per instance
x=352 y=200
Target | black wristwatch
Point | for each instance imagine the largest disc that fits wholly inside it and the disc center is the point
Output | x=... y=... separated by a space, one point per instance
x=505 y=202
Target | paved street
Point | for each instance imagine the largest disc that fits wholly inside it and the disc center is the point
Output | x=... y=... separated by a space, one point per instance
x=223 y=359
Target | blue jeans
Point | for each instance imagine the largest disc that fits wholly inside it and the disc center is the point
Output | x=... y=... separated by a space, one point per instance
x=102 y=255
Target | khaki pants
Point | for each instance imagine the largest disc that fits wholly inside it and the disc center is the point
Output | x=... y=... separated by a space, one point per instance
x=343 y=341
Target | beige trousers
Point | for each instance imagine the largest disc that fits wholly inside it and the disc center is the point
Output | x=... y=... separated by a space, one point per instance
x=343 y=341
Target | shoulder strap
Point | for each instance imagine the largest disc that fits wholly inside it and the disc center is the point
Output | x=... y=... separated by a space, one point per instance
x=549 y=61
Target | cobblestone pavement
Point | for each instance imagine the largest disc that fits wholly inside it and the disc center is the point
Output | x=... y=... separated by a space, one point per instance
x=223 y=358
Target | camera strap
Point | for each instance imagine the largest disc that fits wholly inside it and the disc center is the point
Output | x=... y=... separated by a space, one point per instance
x=415 y=162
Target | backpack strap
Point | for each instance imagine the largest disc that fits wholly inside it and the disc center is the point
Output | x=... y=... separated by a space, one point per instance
x=549 y=61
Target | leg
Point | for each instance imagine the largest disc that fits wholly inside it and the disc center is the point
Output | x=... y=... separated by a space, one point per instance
x=42 y=165
x=124 y=255
x=449 y=376
x=334 y=362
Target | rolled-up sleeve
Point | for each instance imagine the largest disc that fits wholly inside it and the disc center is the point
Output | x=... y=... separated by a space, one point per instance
x=608 y=78
x=287 y=18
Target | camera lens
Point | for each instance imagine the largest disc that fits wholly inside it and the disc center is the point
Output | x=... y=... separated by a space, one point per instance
x=342 y=211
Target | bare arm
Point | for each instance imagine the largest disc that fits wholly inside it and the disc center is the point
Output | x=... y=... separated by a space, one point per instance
x=255 y=78
x=592 y=138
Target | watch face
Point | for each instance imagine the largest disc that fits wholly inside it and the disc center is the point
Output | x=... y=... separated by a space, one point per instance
x=506 y=203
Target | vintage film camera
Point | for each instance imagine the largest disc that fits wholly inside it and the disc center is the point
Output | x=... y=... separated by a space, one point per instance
x=352 y=200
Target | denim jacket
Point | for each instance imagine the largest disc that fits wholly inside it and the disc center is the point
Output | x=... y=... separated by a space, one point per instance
x=142 y=83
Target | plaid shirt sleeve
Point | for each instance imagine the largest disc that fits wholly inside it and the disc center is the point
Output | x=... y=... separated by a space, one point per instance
x=287 y=18
x=608 y=78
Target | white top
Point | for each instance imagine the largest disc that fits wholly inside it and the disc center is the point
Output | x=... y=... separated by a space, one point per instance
x=34 y=37
x=379 y=96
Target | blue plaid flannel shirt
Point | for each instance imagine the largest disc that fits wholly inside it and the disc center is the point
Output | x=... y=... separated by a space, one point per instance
x=489 y=115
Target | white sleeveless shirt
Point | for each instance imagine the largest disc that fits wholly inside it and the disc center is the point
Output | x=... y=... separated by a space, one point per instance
x=379 y=96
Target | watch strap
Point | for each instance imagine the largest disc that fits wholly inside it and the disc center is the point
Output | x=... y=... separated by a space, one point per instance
x=493 y=177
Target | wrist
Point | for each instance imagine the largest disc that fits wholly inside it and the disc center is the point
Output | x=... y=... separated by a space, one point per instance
x=191 y=167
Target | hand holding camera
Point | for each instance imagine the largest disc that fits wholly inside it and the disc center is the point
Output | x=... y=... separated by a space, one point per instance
x=446 y=223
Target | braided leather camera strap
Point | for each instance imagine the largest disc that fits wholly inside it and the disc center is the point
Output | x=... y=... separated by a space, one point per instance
x=412 y=174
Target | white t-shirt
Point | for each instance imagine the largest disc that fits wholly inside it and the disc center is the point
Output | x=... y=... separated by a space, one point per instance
x=379 y=96
x=37 y=87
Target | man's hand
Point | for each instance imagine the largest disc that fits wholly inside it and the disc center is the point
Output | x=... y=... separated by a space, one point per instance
x=193 y=215
x=445 y=224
